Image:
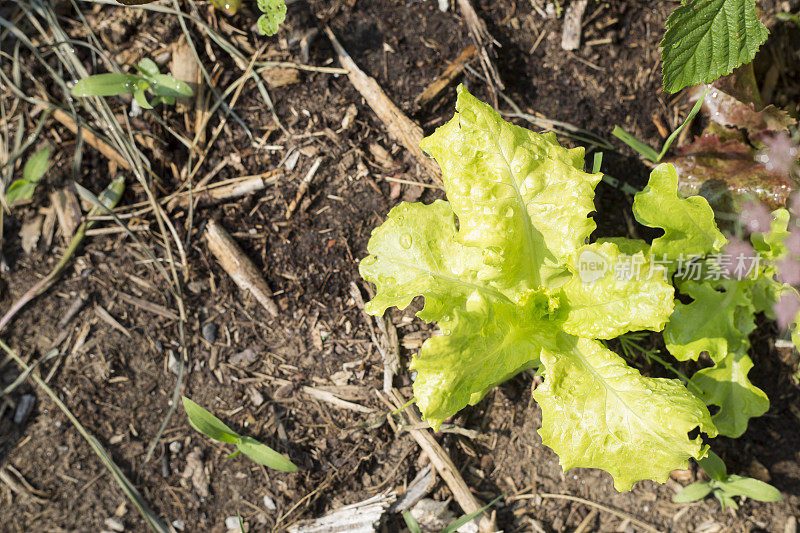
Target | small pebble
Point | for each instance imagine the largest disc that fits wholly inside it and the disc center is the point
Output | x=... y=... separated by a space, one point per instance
x=178 y=524
x=172 y=363
x=114 y=524
x=232 y=523
x=175 y=447
x=246 y=356
x=210 y=332
x=269 y=503
x=24 y=408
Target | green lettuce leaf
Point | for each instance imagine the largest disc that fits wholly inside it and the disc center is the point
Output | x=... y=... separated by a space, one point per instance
x=481 y=347
x=688 y=223
x=600 y=413
x=726 y=385
x=716 y=322
x=499 y=268
x=771 y=244
x=612 y=305
x=415 y=253
x=518 y=195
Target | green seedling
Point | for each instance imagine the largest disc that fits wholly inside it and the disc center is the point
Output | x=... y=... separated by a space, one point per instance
x=413 y=525
x=724 y=487
x=648 y=152
x=274 y=13
x=214 y=428
x=34 y=170
x=165 y=88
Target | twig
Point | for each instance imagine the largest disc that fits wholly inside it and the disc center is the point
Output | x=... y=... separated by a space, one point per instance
x=443 y=464
x=238 y=266
x=304 y=185
x=482 y=39
x=399 y=126
x=332 y=399
x=450 y=73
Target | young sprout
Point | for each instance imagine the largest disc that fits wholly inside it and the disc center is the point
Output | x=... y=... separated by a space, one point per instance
x=212 y=427
x=274 y=13
x=724 y=487
x=35 y=168
x=165 y=88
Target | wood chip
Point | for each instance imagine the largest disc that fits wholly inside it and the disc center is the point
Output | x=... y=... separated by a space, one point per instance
x=68 y=211
x=30 y=232
x=571 y=30
x=238 y=266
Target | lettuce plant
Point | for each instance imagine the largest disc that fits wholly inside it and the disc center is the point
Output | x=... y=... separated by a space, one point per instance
x=505 y=270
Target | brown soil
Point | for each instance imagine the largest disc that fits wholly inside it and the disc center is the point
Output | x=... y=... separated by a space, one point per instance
x=119 y=385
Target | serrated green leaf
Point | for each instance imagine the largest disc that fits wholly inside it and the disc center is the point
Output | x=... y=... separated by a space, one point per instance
x=110 y=84
x=752 y=488
x=717 y=322
x=707 y=39
x=629 y=296
x=19 y=190
x=274 y=15
x=416 y=253
x=518 y=195
x=263 y=454
x=727 y=386
x=598 y=412
x=36 y=166
x=482 y=346
x=688 y=223
x=714 y=466
x=692 y=493
x=208 y=424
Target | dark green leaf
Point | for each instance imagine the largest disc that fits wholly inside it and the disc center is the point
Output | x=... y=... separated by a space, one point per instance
x=714 y=466
x=208 y=424
x=693 y=492
x=707 y=39
x=37 y=165
x=263 y=454
x=109 y=84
